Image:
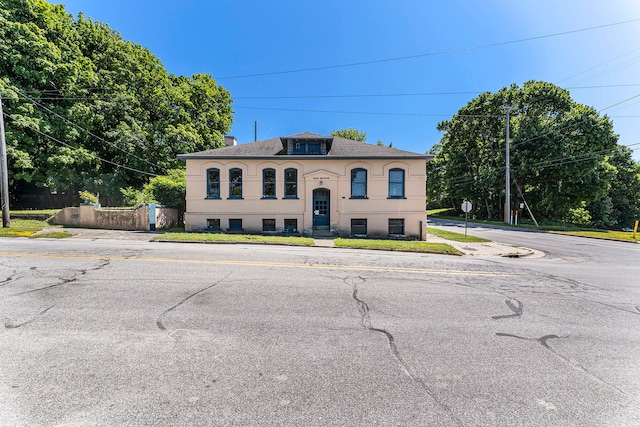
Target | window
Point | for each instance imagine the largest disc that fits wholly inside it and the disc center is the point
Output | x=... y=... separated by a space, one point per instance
x=314 y=148
x=291 y=225
x=307 y=147
x=358 y=226
x=235 y=224
x=213 y=223
x=268 y=183
x=290 y=183
x=358 y=183
x=213 y=183
x=235 y=183
x=396 y=184
x=396 y=226
x=268 y=225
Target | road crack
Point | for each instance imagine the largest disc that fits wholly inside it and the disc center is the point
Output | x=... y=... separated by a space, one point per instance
x=178 y=304
x=517 y=310
x=9 y=278
x=66 y=280
x=10 y=324
x=365 y=321
x=543 y=341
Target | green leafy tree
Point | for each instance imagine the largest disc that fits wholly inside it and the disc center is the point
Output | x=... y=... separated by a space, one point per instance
x=620 y=208
x=558 y=151
x=169 y=190
x=354 y=134
x=88 y=109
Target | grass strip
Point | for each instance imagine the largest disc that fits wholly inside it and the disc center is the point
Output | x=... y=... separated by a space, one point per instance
x=602 y=234
x=398 y=245
x=23 y=228
x=233 y=238
x=51 y=235
x=456 y=237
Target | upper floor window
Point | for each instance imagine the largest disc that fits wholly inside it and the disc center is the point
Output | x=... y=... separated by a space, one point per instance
x=306 y=147
x=268 y=183
x=314 y=148
x=396 y=183
x=291 y=183
x=213 y=183
x=358 y=183
x=235 y=183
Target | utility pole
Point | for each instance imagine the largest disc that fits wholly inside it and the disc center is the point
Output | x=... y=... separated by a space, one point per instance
x=507 y=194
x=4 y=174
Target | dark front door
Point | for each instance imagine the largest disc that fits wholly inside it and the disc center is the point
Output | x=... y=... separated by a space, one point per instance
x=321 y=209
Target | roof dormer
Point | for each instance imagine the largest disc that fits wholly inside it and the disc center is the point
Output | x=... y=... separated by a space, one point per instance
x=307 y=146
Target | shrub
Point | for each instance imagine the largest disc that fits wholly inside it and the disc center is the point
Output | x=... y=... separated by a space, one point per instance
x=170 y=189
x=134 y=197
x=88 y=198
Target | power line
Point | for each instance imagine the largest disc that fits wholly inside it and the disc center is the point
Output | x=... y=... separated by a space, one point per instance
x=423 y=55
x=560 y=161
x=364 y=112
x=362 y=95
x=596 y=66
x=373 y=95
x=621 y=102
x=78 y=148
x=411 y=94
x=23 y=95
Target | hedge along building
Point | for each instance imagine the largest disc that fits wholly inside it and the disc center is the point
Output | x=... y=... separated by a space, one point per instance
x=318 y=185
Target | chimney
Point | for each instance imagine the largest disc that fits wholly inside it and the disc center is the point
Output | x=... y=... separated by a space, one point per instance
x=230 y=141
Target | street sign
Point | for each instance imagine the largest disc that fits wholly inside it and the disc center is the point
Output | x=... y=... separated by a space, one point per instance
x=466 y=208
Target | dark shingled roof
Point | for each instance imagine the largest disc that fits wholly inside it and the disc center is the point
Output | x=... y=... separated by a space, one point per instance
x=275 y=148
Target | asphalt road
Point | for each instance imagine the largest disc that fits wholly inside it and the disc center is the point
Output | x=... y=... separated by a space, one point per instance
x=595 y=261
x=136 y=333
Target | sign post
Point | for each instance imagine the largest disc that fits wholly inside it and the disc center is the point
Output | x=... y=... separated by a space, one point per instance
x=466 y=208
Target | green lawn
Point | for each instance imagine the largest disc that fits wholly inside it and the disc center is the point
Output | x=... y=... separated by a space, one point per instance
x=233 y=238
x=456 y=237
x=560 y=228
x=28 y=228
x=603 y=234
x=397 y=245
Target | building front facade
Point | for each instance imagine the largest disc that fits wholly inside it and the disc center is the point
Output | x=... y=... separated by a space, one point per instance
x=307 y=184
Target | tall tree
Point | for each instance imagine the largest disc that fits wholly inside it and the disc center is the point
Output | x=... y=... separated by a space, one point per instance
x=89 y=109
x=620 y=207
x=354 y=134
x=559 y=151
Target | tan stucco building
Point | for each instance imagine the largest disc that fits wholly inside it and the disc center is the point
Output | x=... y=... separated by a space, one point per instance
x=307 y=183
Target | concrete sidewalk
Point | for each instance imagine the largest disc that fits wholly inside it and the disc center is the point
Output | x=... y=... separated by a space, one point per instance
x=488 y=249
x=476 y=249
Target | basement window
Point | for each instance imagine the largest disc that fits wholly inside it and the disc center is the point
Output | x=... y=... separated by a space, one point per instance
x=359 y=227
x=291 y=225
x=268 y=225
x=396 y=226
x=235 y=224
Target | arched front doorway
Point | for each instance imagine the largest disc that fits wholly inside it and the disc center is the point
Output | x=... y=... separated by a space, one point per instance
x=321 y=218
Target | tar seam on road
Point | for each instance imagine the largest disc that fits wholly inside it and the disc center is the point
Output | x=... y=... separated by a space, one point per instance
x=517 y=310
x=173 y=307
x=543 y=342
x=73 y=278
x=365 y=320
x=9 y=324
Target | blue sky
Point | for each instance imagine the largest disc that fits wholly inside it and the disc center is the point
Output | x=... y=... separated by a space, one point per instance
x=399 y=101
